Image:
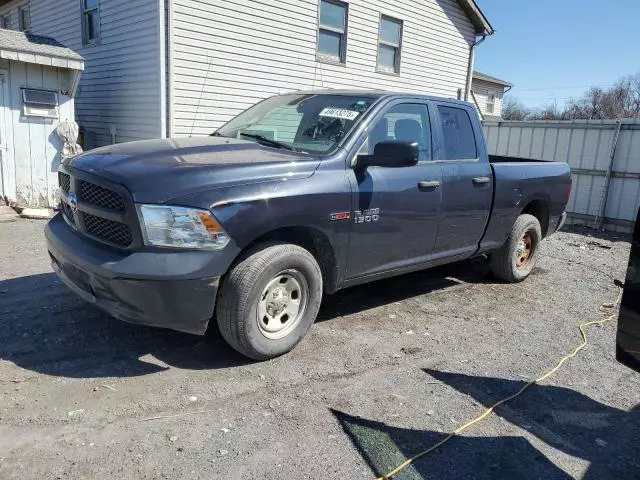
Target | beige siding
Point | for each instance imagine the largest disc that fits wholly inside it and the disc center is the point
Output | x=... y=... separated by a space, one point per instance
x=237 y=52
x=481 y=90
x=122 y=87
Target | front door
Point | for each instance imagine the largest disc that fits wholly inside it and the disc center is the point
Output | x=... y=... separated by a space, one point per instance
x=467 y=182
x=396 y=210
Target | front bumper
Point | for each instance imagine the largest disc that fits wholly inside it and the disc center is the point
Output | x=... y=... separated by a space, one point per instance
x=157 y=287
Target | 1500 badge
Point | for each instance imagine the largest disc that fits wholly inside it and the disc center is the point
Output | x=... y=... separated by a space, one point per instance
x=359 y=216
x=366 y=216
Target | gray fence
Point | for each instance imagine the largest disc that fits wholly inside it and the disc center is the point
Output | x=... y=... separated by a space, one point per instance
x=604 y=156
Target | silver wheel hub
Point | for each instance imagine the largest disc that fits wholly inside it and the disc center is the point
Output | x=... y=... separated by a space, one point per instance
x=277 y=304
x=282 y=304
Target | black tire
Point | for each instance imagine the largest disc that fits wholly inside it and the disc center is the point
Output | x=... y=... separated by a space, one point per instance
x=242 y=287
x=504 y=261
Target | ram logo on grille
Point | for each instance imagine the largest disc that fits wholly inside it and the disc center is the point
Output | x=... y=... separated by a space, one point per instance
x=73 y=202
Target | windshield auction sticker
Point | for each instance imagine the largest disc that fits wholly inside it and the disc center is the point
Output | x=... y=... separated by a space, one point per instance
x=339 y=113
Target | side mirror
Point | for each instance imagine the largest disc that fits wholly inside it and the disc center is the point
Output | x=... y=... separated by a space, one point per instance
x=392 y=153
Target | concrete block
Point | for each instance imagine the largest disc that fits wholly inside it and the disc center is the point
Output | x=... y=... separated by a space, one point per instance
x=36 y=213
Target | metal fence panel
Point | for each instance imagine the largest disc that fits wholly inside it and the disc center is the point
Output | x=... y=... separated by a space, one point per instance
x=586 y=145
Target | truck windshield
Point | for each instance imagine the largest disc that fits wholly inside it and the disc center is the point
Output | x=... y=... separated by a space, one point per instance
x=300 y=122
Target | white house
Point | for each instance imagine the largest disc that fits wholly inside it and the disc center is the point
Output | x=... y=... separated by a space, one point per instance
x=38 y=77
x=487 y=93
x=158 y=68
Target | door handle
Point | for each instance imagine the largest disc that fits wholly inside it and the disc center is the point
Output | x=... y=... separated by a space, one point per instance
x=432 y=184
x=481 y=180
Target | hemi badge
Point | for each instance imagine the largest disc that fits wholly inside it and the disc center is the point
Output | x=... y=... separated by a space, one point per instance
x=340 y=216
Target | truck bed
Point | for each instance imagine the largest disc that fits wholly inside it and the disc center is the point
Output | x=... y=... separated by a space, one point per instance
x=505 y=159
x=522 y=184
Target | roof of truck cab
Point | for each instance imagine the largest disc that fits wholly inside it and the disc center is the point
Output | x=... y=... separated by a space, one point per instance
x=376 y=94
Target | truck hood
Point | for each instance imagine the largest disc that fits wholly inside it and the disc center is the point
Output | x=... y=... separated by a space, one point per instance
x=156 y=171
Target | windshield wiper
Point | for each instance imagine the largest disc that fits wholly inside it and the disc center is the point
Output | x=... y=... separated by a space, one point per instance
x=216 y=134
x=268 y=141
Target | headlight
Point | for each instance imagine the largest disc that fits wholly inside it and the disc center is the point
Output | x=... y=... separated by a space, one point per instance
x=181 y=227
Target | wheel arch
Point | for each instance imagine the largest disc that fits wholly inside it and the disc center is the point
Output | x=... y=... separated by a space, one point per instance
x=539 y=208
x=311 y=239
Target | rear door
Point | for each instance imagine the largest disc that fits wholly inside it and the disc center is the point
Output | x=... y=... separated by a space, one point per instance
x=467 y=180
x=396 y=210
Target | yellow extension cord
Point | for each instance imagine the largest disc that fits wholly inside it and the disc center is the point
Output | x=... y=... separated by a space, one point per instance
x=489 y=410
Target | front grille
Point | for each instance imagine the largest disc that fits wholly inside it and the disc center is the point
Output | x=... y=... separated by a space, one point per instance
x=68 y=214
x=100 y=196
x=86 y=202
x=64 y=180
x=109 y=230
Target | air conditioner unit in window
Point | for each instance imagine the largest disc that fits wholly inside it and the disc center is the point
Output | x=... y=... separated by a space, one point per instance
x=40 y=103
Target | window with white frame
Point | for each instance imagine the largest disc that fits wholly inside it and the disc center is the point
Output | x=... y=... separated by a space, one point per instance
x=491 y=102
x=24 y=21
x=90 y=22
x=332 y=31
x=5 y=21
x=389 y=45
x=39 y=103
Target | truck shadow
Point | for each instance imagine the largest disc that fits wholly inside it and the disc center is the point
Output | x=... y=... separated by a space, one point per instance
x=46 y=328
x=606 y=437
x=437 y=280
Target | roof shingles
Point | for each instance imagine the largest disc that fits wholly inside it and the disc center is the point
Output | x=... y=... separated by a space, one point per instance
x=29 y=48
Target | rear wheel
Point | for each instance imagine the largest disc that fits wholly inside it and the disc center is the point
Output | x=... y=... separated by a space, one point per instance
x=269 y=300
x=515 y=260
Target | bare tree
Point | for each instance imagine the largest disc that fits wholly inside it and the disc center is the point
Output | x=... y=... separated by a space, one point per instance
x=548 y=112
x=620 y=101
x=512 y=109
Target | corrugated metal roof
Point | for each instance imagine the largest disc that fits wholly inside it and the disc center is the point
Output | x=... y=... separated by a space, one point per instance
x=28 y=48
x=488 y=78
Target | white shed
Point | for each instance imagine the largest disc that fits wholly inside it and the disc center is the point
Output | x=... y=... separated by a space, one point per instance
x=38 y=78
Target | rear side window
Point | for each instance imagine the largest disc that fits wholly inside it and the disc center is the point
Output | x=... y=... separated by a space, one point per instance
x=459 y=139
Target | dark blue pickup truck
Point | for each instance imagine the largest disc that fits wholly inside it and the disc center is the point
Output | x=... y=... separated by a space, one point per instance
x=303 y=193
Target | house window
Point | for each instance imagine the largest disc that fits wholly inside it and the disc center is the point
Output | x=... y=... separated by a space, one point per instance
x=6 y=21
x=332 y=31
x=90 y=22
x=491 y=102
x=389 y=45
x=24 y=22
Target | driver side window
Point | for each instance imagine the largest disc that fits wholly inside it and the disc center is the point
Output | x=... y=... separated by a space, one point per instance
x=408 y=122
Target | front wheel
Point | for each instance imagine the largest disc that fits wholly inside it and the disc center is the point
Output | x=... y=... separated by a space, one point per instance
x=515 y=260
x=269 y=300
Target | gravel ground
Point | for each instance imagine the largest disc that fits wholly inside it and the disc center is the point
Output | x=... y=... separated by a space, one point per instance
x=385 y=372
